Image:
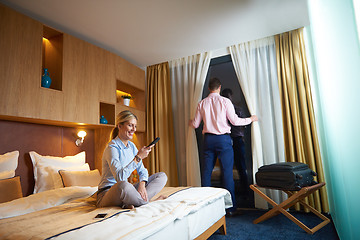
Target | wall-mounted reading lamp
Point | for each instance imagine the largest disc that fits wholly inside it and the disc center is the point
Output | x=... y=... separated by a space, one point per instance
x=81 y=134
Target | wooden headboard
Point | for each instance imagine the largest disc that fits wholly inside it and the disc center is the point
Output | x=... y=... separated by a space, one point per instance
x=45 y=140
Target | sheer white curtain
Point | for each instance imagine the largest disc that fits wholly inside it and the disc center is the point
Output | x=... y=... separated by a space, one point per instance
x=187 y=78
x=255 y=67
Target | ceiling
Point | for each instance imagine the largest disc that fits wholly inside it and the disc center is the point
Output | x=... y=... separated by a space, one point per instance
x=148 y=32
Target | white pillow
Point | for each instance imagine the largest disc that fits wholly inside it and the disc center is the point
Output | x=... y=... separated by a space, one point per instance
x=6 y=174
x=8 y=164
x=46 y=169
x=80 y=178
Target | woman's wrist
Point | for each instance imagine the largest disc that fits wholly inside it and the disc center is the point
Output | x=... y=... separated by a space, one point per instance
x=137 y=159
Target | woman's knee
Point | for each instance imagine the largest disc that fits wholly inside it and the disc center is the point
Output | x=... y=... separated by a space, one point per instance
x=124 y=185
x=162 y=175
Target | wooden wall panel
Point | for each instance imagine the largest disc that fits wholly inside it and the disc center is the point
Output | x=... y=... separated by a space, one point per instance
x=130 y=74
x=106 y=79
x=80 y=85
x=20 y=63
x=50 y=104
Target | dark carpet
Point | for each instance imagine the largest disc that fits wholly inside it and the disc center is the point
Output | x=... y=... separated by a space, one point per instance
x=278 y=227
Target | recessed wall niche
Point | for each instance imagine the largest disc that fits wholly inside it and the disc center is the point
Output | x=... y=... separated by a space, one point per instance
x=52 y=56
x=108 y=111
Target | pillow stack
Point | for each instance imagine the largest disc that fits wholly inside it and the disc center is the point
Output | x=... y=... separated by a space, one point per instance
x=46 y=169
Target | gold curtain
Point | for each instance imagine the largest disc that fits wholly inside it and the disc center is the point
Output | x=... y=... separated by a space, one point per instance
x=159 y=122
x=300 y=134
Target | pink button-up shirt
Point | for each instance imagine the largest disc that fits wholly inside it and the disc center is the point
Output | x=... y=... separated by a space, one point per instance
x=215 y=111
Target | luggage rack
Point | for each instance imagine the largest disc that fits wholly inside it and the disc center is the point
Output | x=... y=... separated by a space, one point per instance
x=294 y=197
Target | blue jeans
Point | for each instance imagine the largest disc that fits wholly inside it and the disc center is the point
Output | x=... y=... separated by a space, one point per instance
x=219 y=146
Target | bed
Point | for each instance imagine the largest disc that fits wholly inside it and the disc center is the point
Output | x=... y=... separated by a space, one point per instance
x=51 y=211
x=69 y=213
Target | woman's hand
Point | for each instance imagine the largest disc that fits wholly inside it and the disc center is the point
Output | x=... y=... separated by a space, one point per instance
x=142 y=190
x=144 y=152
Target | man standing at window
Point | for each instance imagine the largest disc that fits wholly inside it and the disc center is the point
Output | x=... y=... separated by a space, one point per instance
x=215 y=111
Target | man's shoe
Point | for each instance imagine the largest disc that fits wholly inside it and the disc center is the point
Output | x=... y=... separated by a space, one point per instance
x=234 y=213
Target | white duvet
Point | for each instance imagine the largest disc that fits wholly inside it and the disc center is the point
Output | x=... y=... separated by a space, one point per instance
x=148 y=219
x=31 y=217
x=44 y=200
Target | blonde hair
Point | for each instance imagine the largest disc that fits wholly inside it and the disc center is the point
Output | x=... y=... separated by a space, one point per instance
x=121 y=118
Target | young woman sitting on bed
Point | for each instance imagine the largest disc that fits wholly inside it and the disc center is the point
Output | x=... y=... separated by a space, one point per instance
x=119 y=160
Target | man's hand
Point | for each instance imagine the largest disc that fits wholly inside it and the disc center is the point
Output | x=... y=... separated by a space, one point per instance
x=253 y=118
x=190 y=123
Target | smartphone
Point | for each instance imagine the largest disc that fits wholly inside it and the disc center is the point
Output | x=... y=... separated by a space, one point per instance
x=101 y=215
x=153 y=142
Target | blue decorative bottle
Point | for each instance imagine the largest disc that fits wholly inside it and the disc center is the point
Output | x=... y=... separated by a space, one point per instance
x=46 y=80
x=103 y=120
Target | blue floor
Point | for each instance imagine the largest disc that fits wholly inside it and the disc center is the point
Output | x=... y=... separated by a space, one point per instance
x=278 y=227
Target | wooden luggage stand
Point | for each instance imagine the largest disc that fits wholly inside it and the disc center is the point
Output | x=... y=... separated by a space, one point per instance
x=294 y=197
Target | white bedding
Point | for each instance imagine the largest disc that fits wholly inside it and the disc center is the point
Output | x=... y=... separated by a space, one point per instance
x=149 y=219
x=192 y=225
x=138 y=223
x=44 y=200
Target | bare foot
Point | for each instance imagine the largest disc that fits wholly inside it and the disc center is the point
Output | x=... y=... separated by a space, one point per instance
x=129 y=206
x=161 y=197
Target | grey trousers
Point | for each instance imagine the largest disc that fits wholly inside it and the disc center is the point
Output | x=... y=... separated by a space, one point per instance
x=124 y=193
